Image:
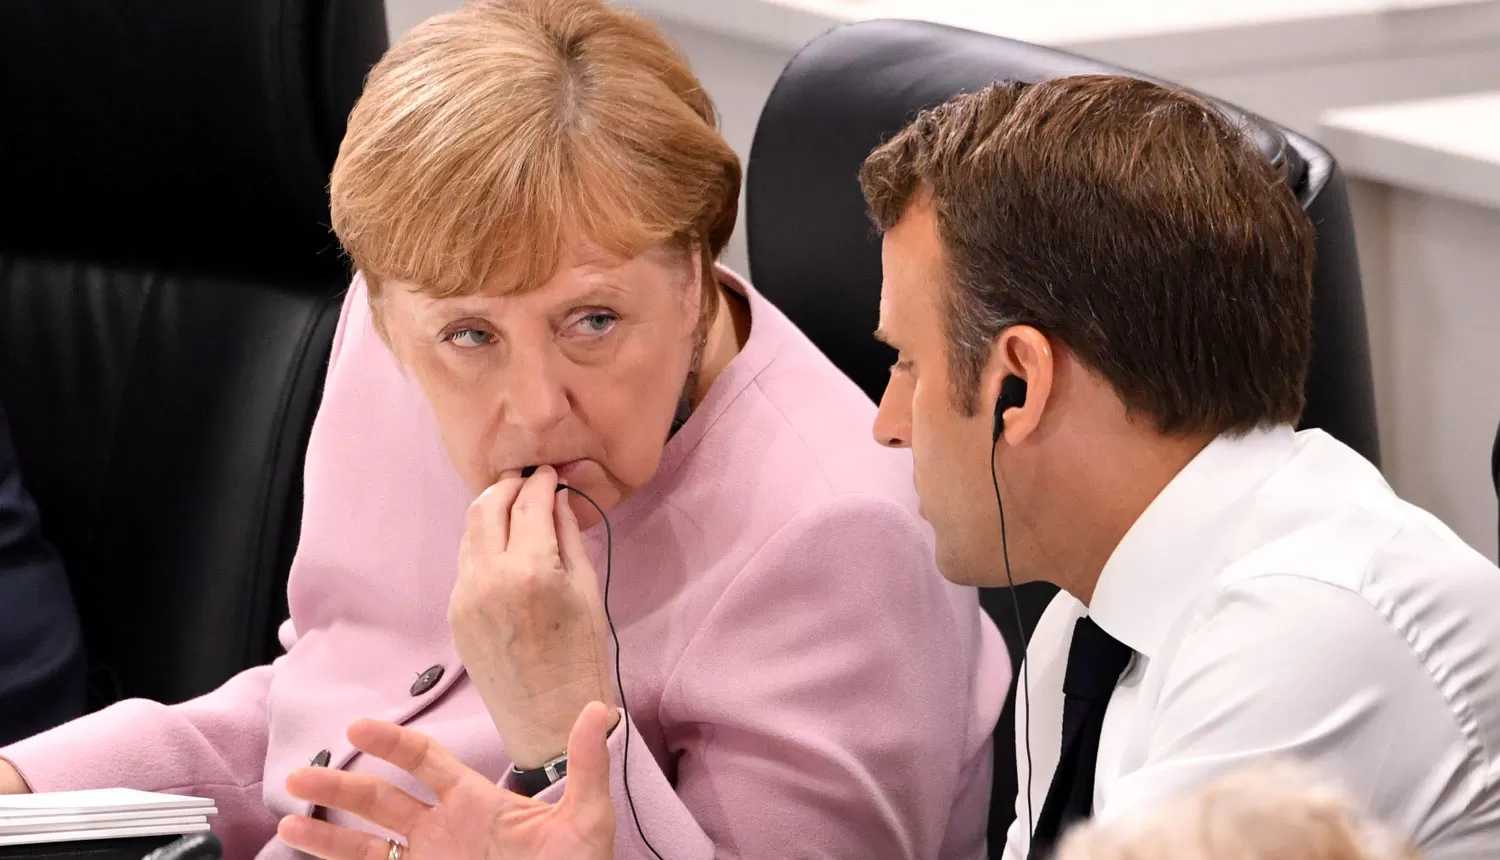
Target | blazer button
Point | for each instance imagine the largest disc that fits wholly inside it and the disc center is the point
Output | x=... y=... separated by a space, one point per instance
x=321 y=759
x=427 y=680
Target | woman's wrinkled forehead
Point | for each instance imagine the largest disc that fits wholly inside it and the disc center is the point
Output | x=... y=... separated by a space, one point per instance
x=587 y=273
x=580 y=264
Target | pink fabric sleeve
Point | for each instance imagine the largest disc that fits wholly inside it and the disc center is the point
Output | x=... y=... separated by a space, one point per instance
x=827 y=708
x=212 y=746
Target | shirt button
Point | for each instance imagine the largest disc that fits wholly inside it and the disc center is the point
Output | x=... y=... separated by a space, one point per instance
x=427 y=680
x=321 y=759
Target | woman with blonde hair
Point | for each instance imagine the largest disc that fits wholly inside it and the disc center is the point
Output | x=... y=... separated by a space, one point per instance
x=535 y=195
x=1277 y=811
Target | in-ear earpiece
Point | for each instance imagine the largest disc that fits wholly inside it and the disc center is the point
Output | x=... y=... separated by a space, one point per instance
x=1012 y=394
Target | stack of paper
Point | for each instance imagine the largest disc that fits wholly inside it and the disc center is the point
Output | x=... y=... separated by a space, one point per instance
x=110 y=813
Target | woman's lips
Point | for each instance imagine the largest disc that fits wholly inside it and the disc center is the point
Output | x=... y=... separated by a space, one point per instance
x=564 y=469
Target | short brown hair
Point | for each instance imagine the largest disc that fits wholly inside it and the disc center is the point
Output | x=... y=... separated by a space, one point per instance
x=1134 y=223
x=485 y=136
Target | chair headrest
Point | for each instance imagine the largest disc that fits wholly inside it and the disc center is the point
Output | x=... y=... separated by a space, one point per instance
x=879 y=57
x=178 y=131
x=812 y=251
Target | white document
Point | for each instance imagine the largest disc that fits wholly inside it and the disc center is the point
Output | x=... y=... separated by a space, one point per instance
x=101 y=800
x=111 y=813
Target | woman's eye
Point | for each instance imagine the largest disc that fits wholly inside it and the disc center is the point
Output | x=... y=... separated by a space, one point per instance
x=595 y=324
x=468 y=338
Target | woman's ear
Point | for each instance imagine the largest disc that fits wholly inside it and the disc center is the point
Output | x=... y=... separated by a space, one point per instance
x=1024 y=352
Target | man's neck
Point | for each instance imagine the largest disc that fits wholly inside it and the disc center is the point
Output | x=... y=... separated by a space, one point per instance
x=1112 y=493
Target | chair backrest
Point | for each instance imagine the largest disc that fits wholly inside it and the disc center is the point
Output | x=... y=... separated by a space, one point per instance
x=813 y=251
x=168 y=293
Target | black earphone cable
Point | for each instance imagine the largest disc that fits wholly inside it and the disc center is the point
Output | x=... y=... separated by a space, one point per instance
x=1024 y=685
x=609 y=564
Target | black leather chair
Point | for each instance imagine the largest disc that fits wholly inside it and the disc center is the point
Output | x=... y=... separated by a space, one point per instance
x=168 y=293
x=814 y=253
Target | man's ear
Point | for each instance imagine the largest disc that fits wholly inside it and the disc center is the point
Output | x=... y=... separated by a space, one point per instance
x=1024 y=352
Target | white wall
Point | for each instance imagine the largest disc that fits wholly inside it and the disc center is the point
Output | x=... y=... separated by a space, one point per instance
x=1431 y=293
x=402 y=15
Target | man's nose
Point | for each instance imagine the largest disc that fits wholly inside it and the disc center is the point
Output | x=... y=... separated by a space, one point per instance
x=893 y=420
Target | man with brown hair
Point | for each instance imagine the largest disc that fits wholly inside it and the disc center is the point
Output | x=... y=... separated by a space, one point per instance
x=1100 y=293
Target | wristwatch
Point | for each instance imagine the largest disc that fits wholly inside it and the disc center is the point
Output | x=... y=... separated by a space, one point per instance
x=532 y=782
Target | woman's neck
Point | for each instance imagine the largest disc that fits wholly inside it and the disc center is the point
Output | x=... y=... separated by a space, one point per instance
x=726 y=337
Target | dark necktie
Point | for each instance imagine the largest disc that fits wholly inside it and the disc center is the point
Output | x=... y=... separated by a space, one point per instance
x=1095 y=661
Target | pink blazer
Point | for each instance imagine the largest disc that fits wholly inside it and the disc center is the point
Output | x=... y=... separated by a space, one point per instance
x=801 y=682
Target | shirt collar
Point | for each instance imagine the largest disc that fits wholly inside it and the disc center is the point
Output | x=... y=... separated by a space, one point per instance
x=1182 y=538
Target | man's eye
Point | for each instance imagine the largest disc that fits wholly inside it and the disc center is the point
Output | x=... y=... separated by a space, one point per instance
x=902 y=365
x=468 y=338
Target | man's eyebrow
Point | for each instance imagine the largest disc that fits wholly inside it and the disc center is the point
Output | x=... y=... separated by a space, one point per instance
x=884 y=337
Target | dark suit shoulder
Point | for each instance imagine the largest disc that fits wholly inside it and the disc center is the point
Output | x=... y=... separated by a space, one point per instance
x=41 y=645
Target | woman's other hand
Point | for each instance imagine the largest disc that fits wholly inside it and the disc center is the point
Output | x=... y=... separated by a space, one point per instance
x=474 y=819
x=11 y=781
x=527 y=618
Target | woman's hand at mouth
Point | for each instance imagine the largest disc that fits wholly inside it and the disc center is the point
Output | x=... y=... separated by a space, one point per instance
x=527 y=617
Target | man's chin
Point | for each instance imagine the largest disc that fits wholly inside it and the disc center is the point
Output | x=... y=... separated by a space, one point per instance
x=959 y=569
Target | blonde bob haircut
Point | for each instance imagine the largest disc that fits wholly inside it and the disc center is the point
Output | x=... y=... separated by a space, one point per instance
x=489 y=137
x=1274 y=811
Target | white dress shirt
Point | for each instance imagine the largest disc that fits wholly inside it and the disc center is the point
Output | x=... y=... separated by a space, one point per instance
x=1283 y=602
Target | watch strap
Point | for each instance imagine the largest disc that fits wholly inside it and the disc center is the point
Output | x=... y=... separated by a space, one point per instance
x=535 y=780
